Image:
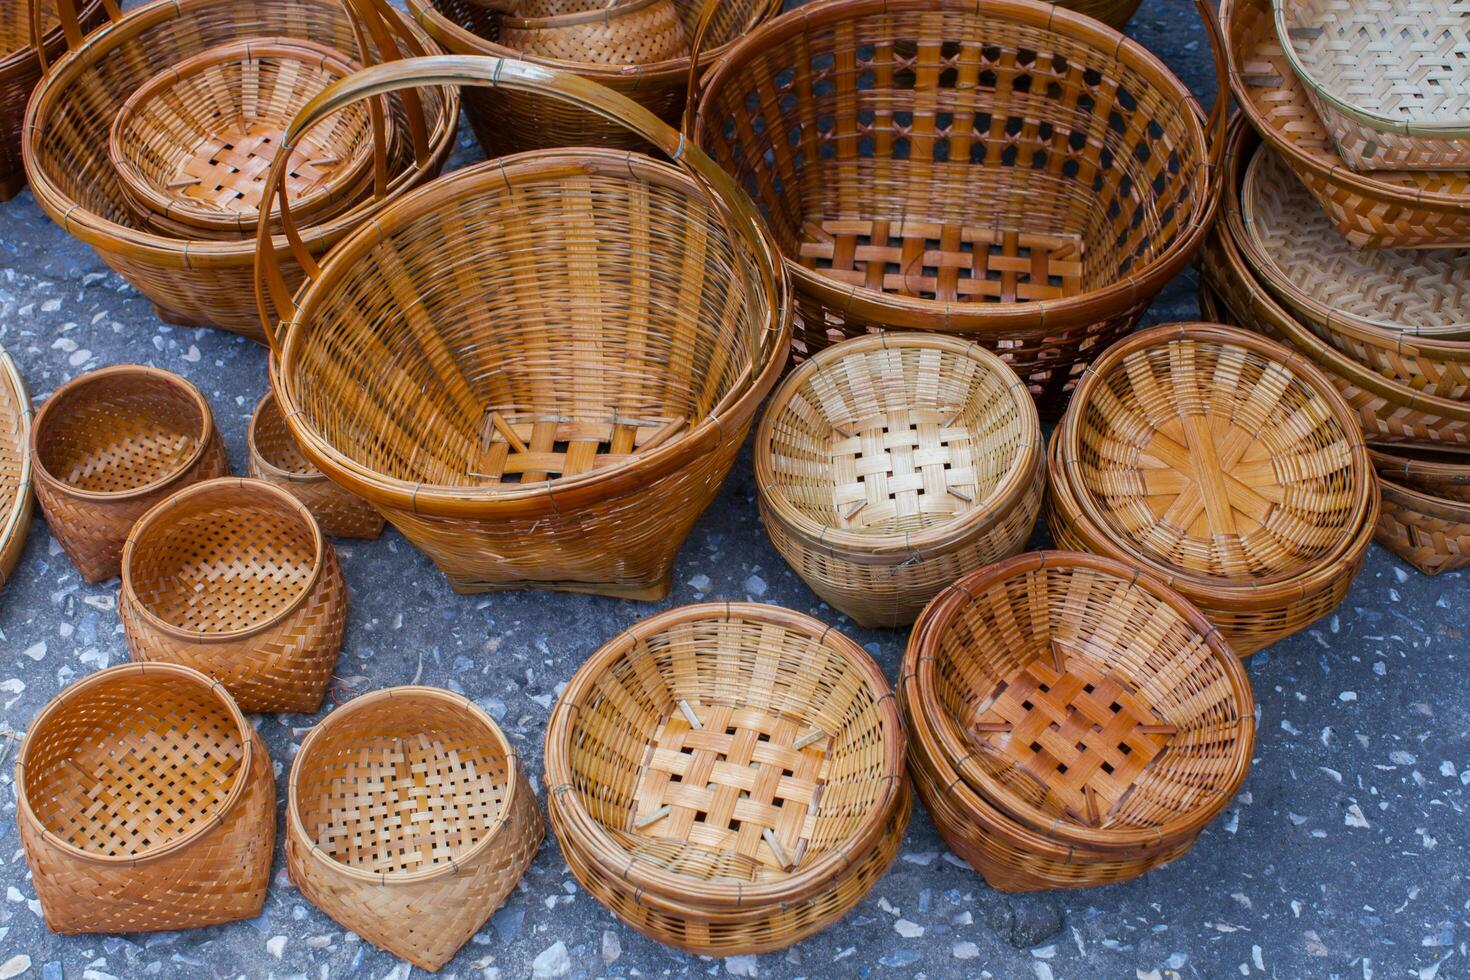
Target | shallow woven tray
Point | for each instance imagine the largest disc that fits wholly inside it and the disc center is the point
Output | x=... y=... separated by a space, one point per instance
x=16 y=500
x=1390 y=78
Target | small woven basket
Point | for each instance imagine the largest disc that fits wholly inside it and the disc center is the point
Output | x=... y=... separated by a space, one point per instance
x=1426 y=508
x=890 y=465
x=17 y=503
x=193 y=144
x=409 y=819
x=631 y=32
x=233 y=578
x=146 y=802
x=1439 y=474
x=723 y=774
x=107 y=446
x=275 y=458
x=1390 y=78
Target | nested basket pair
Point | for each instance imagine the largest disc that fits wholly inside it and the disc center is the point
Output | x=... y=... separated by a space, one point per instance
x=1227 y=465
x=727 y=778
x=888 y=466
x=1073 y=721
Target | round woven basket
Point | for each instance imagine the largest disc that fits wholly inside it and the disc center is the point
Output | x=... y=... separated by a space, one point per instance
x=16 y=501
x=275 y=458
x=1225 y=464
x=1426 y=507
x=874 y=136
x=1382 y=209
x=632 y=32
x=453 y=820
x=233 y=578
x=107 y=446
x=145 y=802
x=890 y=465
x=192 y=145
x=199 y=281
x=719 y=766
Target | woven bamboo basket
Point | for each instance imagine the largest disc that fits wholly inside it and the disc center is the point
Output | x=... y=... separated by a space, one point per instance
x=146 y=802
x=1439 y=474
x=193 y=281
x=630 y=32
x=17 y=504
x=192 y=145
x=888 y=466
x=107 y=446
x=723 y=774
x=1388 y=412
x=234 y=578
x=1381 y=209
x=566 y=353
x=453 y=820
x=1429 y=532
x=1225 y=464
x=275 y=458
x=922 y=167
x=1390 y=78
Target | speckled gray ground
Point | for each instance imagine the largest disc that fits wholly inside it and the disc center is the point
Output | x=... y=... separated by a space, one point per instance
x=1345 y=855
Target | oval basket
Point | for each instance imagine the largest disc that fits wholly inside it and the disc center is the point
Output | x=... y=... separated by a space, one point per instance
x=233 y=578
x=1382 y=209
x=873 y=135
x=632 y=32
x=275 y=458
x=453 y=819
x=16 y=500
x=146 y=802
x=198 y=281
x=890 y=465
x=107 y=446
x=1226 y=465
x=723 y=775
x=628 y=318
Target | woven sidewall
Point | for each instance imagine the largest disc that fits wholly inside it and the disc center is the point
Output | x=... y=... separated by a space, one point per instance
x=17 y=503
x=631 y=33
x=1430 y=533
x=275 y=458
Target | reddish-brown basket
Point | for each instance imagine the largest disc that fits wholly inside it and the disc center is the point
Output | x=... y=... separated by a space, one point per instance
x=146 y=802
x=107 y=446
x=234 y=578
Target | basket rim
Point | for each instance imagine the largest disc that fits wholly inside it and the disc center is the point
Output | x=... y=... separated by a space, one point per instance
x=548 y=496
x=70 y=388
x=18 y=521
x=162 y=512
x=898 y=544
x=513 y=783
x=941 y=316
x=268 y=403
x=1425 y=504
x=17 y=59
x=604 y=14
x=918 y=670
x=243 y=730
x=1395 y=461
x=1066 y=447
x=592 y=839
x=193 y=253
x=1382 y=122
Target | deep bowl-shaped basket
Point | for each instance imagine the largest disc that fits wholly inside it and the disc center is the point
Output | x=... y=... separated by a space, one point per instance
x=720 y=765
x=1011 y=172
x=145 y=802
x=409 y=819
x=17 y=503
x=890 y=465
x=107 y=446
x=234 y=578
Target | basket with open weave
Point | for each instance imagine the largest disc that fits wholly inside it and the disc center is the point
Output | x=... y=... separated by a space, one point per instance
x=146 y=802
x=727 y=777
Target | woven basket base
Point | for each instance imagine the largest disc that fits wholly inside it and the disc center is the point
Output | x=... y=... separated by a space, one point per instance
x=177 y=319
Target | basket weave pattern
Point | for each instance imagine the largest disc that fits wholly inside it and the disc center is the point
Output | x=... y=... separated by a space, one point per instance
x=16 y=500
x=632 y=32
x=1431 y=533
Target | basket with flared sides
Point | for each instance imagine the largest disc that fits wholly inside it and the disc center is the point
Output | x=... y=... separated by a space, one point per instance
x=1227 y=465
x=1378 y=209
x=1067 y=709
x=409 y=819
x=192 y=280
x=1230 y=290
x=1390 y=78
x=146 y=802
x=1426 y=508
x=890 y=465
x=233 y=578
x=275 y=458
x=16 y=500
x=630 y=32
x=107 y=446
x=565 y=352
x=1010 y=172
x=192 y=145
x=728 y=777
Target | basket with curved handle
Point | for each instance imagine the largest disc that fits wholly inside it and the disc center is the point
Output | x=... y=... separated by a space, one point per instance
x=70 y=17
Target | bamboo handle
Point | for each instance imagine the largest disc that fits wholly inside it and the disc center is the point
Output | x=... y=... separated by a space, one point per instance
x=71 y=26
x=1219 y=118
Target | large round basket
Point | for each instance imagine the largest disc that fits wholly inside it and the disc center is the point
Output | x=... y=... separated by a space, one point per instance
x=890 y=465
x=198 y=281
x=1011 y=172
x=145 y=802
x=16 y=500
x=453 y=820
x=721 y=776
